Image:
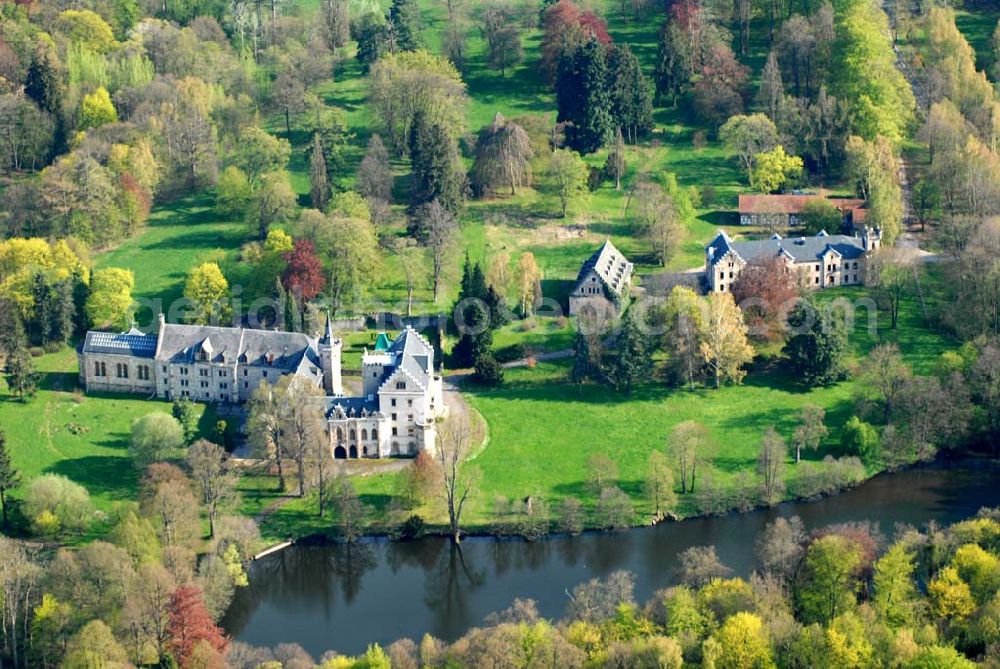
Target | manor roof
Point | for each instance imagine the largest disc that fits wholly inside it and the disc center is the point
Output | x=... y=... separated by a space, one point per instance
x=798 y=249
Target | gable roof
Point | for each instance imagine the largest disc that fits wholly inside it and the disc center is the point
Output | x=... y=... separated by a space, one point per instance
x=285 y=351
x=757 y=203
x=798 y=249
x=610 y=265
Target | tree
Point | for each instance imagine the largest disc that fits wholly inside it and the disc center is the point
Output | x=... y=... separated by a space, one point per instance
x=810 y=431
x=503 y=154
x=439 y=231
x=208 y=292
x=891 y=271
x=374 y=178
x=719 y=90
x=583 y=97
x=895 y=596
x=602 y=472
x=614 y=166
x=264 y=427
x=700 y=565
x=232 y=193
x=684 y=322
x=940 y=657
x=336 y=23
x=614 y=509
x=10 y=477
x=347 y=507
x=864 y=71
x=403 y=19
x=109 y=303
x=659 y=484
x=259 y=154
x=301 y=421
x=771 y=94
x=747 y=137
x=529 y=277
x=459 y=479
x=288 y=96
x=631 y=93
x=765 y=290
x=303 y=275
x=273 y=203
x=741 y=643
x=781 y=545
x=775 y=170
x=724 y=346
x=503 y=37
x=96 y=109
x=568 y=176
x=44 y=80
x=820 y=215
x=54 y=503
x=22 y=379
x=828 y=582
x=949 y=596
x=634 y=359
x=437 y=173
x=94 y=646
x=658 y=218
x=926 y=201
x=319 y=179
x=888 y=373
x=153 y=438
x=403 y=86
x=184 y=411
x=860 y=438
x=818 y=348
x=213 y=478
x=689 y=447
x=190 y=623
x=771 y=466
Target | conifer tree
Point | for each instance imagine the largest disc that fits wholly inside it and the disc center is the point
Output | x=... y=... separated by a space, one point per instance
x=772 y=89
x=404 y=24
x=437 y=172
x=319 y=180
x=631 y=93
x=634 y=357
x=21 y=376
x=614 y=168
x=583 y=97
x=44 y=82
x=9 y=477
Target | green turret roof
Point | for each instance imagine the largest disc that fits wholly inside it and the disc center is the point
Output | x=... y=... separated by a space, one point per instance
x=382 y=342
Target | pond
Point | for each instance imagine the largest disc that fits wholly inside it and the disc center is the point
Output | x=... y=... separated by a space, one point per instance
x=344 y=597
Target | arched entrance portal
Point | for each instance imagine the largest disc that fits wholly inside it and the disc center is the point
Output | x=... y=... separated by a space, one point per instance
x=354 y=451
x=339 y=453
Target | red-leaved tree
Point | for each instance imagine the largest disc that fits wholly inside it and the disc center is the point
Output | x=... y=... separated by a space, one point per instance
x=190 y=623
x=303 y=275
x=766 y=291
x=564 y=27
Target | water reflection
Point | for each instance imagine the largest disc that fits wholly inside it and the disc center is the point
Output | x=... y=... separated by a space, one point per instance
x=343 y=597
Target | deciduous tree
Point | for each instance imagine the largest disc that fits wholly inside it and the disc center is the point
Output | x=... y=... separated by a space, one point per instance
x=568 y=175
x=460 y=480
x=724 y=346
x=213 y=477
x=208 y=292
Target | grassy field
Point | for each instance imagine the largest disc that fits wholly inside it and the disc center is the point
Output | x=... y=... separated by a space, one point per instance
x=543 y=429
x=83 y=437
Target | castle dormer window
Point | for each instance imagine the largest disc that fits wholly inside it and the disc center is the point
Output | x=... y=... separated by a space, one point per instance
x=400 y=385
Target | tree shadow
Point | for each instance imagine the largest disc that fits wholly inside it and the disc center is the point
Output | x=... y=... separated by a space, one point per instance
x=111 y=476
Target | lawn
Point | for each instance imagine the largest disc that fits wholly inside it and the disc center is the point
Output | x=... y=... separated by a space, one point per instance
x=83 y=437
x=542 y=429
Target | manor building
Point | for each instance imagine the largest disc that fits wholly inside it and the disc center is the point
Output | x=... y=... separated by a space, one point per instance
x=603 y=282
x=402 y=393
x=823 y=261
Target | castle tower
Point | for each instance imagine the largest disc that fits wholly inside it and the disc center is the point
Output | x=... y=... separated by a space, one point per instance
x=329 y=353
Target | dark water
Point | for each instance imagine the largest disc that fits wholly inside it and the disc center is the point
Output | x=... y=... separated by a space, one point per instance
x=343 y=598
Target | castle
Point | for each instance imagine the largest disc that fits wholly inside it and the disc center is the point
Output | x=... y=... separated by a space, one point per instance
x=395 y=414
x=602 y=285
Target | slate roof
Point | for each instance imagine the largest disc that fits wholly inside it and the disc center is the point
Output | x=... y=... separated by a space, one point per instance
x=756 y=203
x=413 y=358
x=799 y=249
x=287 y=352
x=609 y=264
x=132 y=343
x=351 y=406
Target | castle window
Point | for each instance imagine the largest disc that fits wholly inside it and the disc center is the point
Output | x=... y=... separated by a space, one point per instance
x=393 y=401
x=374 y=434
x=222 y=373
x=224 y=398
x=203 y=372
x=246 y=384
x=400 y=385
x=364 y=437
x=394 y=431
x=265 y=373
x=246 y=372
x=122 y=371
x=224 y=386
x=817 y=268
x=394 y=416
x=409 y=403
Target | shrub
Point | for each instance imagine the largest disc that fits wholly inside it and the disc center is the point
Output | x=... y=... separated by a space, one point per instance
x=54 y=504
x=860 y=438
x=153 y=437
x=488 y=371
x=413 y=527
x=509 y=353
